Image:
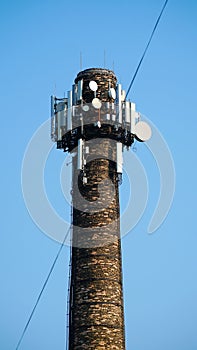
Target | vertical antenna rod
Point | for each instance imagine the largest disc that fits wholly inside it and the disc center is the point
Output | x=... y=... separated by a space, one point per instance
x=81 y=63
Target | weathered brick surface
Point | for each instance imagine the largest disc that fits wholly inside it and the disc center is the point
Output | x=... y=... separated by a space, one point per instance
x=102 y=78
x=97 y=302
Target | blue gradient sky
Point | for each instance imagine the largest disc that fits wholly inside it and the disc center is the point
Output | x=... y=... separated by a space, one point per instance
x=41 y=43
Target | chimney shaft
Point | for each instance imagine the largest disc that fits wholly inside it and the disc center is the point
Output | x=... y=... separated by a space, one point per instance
x=96 y=317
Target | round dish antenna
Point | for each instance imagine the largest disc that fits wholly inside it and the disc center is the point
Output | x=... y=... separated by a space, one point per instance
x=142 y=131
x=85 y=108
x=96 y=103
x=93 y=85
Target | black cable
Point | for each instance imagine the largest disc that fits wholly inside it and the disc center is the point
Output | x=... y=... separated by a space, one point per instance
x=42 y=290
x=147 y=46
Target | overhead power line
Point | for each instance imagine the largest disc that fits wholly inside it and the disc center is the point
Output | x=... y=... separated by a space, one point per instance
x=42 y=290
x=146 y=48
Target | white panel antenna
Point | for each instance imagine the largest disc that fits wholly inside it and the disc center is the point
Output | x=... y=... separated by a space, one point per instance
x=119 y=103
x=80 y=155
x=133 y=117
x=119 y=158
x=69 y=112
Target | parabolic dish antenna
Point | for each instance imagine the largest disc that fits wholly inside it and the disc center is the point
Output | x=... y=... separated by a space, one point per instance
x=96 y=103
x=93 y=85
x=142 y=131
x=112 y=93
x=85 y=108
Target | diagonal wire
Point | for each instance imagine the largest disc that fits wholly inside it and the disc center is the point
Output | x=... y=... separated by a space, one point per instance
x=146 y=48
x=42 y=290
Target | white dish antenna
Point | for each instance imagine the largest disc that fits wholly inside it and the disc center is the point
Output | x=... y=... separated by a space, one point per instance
x=143 y=131
x=96 y=103
x=93 y=85
x=112 y=93
x=85 y=108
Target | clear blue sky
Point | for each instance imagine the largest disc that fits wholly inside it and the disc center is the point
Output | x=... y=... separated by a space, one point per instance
x=41 y=43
